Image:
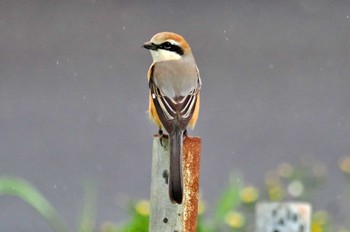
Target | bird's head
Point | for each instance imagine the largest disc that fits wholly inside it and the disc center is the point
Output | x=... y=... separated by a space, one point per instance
x=168 y=46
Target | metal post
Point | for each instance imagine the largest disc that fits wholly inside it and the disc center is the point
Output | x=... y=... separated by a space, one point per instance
x=164 y=215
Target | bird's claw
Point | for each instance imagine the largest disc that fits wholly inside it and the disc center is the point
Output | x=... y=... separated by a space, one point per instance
x=161 y=137
x=185 y=133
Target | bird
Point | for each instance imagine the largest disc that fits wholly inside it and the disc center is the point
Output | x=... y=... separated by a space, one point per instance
x=174 y=98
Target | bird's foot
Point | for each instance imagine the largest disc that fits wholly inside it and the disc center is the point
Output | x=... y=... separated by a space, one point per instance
x=185 y=133
x=162 y=136
x=160 y=132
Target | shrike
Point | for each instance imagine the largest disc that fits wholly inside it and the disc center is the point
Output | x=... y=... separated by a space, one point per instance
x=174 y=84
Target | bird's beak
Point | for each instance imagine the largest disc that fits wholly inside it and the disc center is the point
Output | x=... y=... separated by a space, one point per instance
x=150 y=46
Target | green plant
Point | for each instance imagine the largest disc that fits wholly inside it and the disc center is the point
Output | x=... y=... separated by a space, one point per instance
x=25 y=191
x=233 y=211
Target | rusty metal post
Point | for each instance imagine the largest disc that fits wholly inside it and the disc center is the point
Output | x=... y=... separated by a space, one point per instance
x=164 y=215
x=191 y=170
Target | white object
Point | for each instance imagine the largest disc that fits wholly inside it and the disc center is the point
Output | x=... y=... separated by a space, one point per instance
x=283 y=217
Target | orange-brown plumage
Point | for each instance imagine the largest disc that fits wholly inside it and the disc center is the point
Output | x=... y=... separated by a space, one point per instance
x=163 y=36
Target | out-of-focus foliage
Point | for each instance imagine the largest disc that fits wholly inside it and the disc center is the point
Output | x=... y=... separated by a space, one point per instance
x=234 y=210
x=25 y=191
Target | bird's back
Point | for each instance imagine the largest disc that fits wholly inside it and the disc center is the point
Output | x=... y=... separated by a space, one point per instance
x=175 y=78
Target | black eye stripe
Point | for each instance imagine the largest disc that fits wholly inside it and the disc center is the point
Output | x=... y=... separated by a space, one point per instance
x=171 y=47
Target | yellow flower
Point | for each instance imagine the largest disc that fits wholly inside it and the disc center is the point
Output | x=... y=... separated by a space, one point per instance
x=142 y=207
x=249 y=195
x=319 y=219
x=344 y=164
x=234 y=219
x=273 y=185
x=315 y=227
x=275 y=193
x=320 y=216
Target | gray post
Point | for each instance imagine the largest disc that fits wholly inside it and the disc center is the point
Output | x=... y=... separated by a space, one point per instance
x=164 y=215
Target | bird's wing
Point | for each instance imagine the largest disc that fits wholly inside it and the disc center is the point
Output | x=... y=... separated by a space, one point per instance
x=172 y=110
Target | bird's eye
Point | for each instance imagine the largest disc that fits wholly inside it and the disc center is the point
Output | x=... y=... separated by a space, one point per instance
x=166 y=45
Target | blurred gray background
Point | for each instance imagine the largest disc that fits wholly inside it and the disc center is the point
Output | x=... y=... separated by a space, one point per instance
x=74 y=95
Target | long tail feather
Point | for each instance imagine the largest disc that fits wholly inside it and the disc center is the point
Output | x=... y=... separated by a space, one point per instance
x=175 y=177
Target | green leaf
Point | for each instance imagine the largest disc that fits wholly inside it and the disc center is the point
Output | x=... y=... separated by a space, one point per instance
x=229 y=199
x=138 y=223
x=88 y=215
x=204 y=225
x=25 y=191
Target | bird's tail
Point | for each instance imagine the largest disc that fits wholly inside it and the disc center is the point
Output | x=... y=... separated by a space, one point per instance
x=175 y=176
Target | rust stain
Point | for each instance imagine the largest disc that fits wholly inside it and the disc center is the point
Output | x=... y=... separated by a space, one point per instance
x=191 y=170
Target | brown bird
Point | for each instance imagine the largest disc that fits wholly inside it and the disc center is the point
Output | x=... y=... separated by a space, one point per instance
x=174 y=84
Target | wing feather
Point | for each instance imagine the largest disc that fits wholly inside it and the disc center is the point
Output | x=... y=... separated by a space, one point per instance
x=173 y=111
